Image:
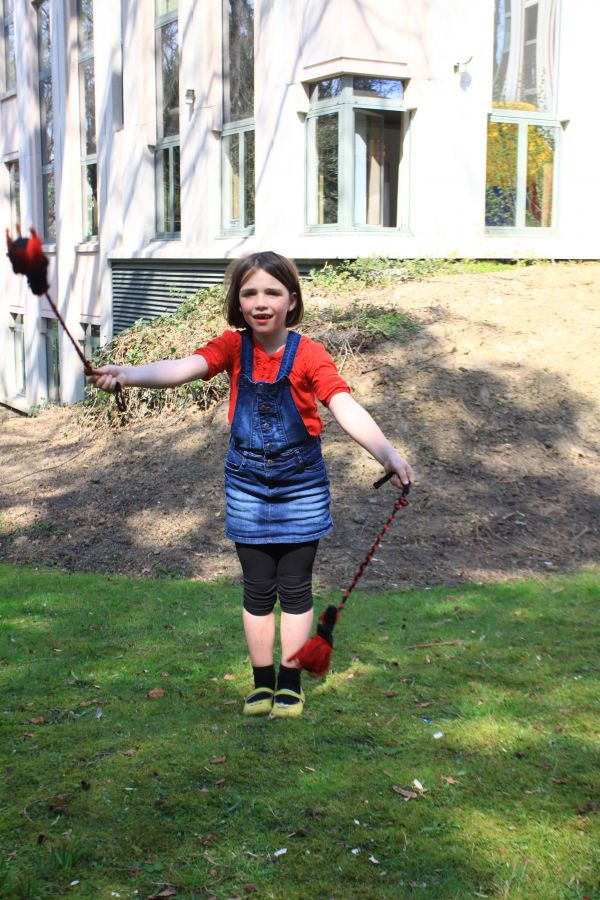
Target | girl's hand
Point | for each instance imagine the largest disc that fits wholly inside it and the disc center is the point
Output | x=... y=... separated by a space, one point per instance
x=107 y=377
x=403 y=470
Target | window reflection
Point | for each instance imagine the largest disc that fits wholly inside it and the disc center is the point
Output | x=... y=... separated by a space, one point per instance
x=540 y=176
x=501 y=175
x=525 y=48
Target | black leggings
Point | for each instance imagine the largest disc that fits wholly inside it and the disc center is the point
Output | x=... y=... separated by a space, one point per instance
x=277 y=569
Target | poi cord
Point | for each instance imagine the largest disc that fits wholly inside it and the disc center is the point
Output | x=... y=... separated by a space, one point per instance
x=27 y=258
x=315 y=654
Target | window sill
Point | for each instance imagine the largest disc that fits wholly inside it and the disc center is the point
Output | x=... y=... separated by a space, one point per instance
x=91 y=246
x=336 y=229
x=165 y=238
x=532 y=231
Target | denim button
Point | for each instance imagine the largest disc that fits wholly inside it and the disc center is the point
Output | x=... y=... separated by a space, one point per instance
x=264 y=407
x=270 y=462
x=266 y=426
x=269 y=446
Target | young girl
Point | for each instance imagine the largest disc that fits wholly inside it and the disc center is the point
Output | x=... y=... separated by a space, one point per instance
x=276 y=485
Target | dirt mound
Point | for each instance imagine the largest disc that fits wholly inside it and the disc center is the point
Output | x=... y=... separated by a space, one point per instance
x=495 y=403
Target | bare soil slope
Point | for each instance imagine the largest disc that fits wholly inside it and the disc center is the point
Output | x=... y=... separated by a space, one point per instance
x=496 y=403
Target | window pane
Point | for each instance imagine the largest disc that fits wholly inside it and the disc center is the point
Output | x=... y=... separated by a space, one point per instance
x=49 y=200
x=326 y=147
x=44 y=42
x=231 y=181
x=88 y=85
x=249 y=191
x=540 y=175
x=14 y=183
x=9 y=46
x=165 y=6
x=52 y=361
x=325 y=90
x=387 y=88
x=86 y=24
x=525 y=47
x=169 y=75
x=501 y=174
x=90 y=193
x=46 y=121
x=19 y=351
x=241 y=60
x=376 y=168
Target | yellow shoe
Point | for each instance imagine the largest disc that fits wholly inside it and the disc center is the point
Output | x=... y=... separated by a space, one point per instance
x=260 y=707
x=283 y=710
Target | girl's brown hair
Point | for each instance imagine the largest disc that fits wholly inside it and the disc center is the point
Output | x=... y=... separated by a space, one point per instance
x=279 y=267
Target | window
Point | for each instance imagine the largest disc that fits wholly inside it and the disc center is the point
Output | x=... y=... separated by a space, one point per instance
x=520 y=174
x=237 y=145
x=87 y=117
x=44 y=46
x=8 y=43
x=49 y=332
x=356 y=129
x=17 y=328
x=523 y=132
x=14 y=194
x=525 y=54
x=168 y=199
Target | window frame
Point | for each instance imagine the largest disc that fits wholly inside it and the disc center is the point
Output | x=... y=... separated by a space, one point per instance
x=8 y=61
x=345 y=104
x=17 y=327
x=232 y=128
x=51 y=339
x=85 y=55
x=14 y=193
x=523 y=119
x=47 y=173
x=170 y=142
x=240 y=128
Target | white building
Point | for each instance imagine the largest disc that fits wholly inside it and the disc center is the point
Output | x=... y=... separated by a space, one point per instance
x=149 y=141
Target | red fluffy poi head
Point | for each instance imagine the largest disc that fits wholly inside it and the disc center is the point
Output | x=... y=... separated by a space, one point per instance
x=27 y=258
x=314 y=656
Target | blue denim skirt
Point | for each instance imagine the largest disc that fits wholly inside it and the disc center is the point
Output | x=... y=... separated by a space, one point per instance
x=277 y=500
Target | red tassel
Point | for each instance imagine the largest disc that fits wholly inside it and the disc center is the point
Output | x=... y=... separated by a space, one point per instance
x=314 y=655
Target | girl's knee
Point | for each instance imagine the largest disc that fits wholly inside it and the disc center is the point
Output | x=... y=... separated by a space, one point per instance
x=260 y=597
x=295 y=594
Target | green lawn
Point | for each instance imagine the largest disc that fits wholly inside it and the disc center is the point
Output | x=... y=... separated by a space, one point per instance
x=107 y=792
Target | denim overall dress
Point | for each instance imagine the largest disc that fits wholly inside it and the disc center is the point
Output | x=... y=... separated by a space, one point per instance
x=276 y=485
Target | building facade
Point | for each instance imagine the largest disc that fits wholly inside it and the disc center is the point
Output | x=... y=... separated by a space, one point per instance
x=150 y=141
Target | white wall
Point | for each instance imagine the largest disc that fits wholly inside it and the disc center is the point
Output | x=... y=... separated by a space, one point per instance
x=296 y=41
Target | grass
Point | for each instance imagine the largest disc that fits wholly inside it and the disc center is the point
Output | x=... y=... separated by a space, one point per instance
x=108 y=792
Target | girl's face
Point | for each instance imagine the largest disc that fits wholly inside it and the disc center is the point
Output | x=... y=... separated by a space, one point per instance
x=265 y=303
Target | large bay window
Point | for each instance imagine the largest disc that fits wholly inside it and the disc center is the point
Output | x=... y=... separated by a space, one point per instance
x=523 y=130
x=167 y=162
x=356 y=129
x=237 y=141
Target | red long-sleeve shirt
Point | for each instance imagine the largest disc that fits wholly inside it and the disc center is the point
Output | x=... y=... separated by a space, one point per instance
x=314 y=375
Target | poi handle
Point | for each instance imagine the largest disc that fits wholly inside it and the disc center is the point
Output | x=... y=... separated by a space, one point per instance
x=384 y=478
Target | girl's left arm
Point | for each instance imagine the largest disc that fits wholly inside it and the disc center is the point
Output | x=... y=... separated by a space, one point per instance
x=362 y=428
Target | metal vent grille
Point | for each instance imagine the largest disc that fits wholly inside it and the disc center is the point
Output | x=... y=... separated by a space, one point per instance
x=145 y=289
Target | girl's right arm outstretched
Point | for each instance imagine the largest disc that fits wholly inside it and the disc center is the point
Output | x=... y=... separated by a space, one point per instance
x=164 y=373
